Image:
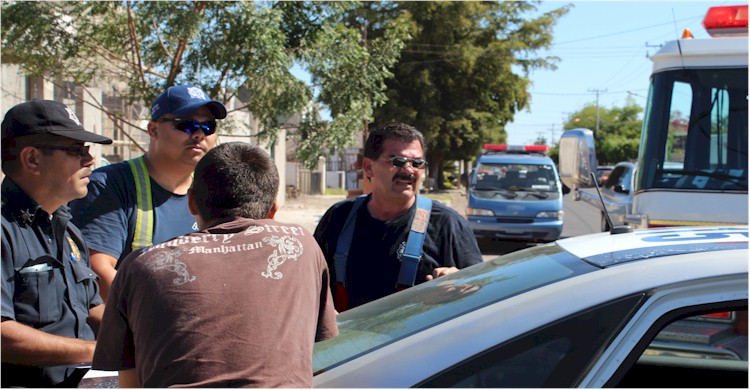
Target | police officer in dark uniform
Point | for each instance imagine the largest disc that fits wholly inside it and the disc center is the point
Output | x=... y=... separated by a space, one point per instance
x=50 y=299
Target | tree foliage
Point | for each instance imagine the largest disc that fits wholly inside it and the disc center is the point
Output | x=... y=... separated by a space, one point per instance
x=619 y=132
x=351 y=73
x=540 y=140
x=464 y=74
x=228 y=48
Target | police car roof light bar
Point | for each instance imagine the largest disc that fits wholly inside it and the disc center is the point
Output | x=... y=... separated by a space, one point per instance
x=516 y=148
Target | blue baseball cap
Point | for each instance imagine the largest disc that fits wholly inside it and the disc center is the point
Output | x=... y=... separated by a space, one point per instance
x=182 y=100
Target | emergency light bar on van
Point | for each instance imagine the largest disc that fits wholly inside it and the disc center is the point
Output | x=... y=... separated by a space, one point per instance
x=516 y=148
x=726 y=21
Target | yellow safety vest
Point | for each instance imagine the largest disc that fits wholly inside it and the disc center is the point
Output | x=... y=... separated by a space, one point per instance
x=144 y=216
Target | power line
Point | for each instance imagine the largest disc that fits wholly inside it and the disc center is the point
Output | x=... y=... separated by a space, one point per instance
x=603 y=92
x=597 y=91
x=631 y=30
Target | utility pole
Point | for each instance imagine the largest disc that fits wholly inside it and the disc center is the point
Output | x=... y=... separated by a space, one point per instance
x=552 y=140
x=597 y=92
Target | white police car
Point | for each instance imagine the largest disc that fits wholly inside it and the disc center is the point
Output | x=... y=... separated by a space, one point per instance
x=651 y=308
x=654 y=308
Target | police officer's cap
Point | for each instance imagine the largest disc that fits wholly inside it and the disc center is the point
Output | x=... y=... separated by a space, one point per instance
x=46 y=117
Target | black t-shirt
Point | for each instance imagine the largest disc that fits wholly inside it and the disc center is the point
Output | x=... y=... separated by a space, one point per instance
x=373 y=264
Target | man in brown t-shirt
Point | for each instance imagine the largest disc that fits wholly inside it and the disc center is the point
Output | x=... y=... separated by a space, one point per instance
x=238 y=304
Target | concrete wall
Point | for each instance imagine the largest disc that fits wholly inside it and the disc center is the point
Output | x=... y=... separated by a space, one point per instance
x=13 y=87
x=336 y=179
x=92 y=119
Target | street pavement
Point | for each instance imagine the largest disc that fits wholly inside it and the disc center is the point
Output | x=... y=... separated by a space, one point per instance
x=306 y=210
x=580 y=218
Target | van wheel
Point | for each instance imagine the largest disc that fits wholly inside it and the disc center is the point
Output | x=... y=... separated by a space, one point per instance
x=605 y=226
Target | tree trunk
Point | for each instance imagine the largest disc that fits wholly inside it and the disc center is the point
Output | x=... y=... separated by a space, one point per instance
x=436 y=171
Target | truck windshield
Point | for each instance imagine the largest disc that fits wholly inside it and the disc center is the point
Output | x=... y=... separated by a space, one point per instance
x=695 y=131
x=515 y=177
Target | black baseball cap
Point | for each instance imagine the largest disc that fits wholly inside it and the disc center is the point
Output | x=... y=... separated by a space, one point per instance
x=46 y=117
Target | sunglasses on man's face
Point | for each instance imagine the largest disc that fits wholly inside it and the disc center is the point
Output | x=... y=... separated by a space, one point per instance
x=400 y=162
x=73 y=150
x=190 y=126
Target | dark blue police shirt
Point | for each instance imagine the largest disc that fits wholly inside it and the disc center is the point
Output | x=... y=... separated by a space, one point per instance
x=46 y=283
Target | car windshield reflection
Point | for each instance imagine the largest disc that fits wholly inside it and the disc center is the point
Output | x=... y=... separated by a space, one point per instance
x=379 y=323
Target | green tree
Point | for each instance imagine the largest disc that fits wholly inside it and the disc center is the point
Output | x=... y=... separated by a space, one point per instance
x=619 y=132
x=351 y=69
x=464 y=74
x=225 y=47
x=540 y=140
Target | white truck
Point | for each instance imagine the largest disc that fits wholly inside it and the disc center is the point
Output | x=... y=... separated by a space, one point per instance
x=692 y=166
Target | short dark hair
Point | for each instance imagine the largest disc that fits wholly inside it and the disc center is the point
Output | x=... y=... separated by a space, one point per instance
x=11 y=149
x=235 y=179
x=398 y=131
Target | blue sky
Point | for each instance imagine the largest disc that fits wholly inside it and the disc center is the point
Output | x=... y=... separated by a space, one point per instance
x=602 y=46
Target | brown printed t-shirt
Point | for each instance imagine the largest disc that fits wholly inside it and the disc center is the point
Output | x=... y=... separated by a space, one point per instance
x=240 y=304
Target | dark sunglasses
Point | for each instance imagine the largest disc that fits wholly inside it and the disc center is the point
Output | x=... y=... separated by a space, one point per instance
x=190 y=126
x=74 y=150
x=400 y=162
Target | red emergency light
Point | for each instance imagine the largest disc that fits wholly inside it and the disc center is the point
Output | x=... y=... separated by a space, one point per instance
x=537 y=148
x=724 y=315
x=726 y=21
x=495 y=147
x=516 y=148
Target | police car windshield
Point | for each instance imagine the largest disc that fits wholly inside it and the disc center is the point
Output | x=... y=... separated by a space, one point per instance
x=515 y=177
x=381 y=322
